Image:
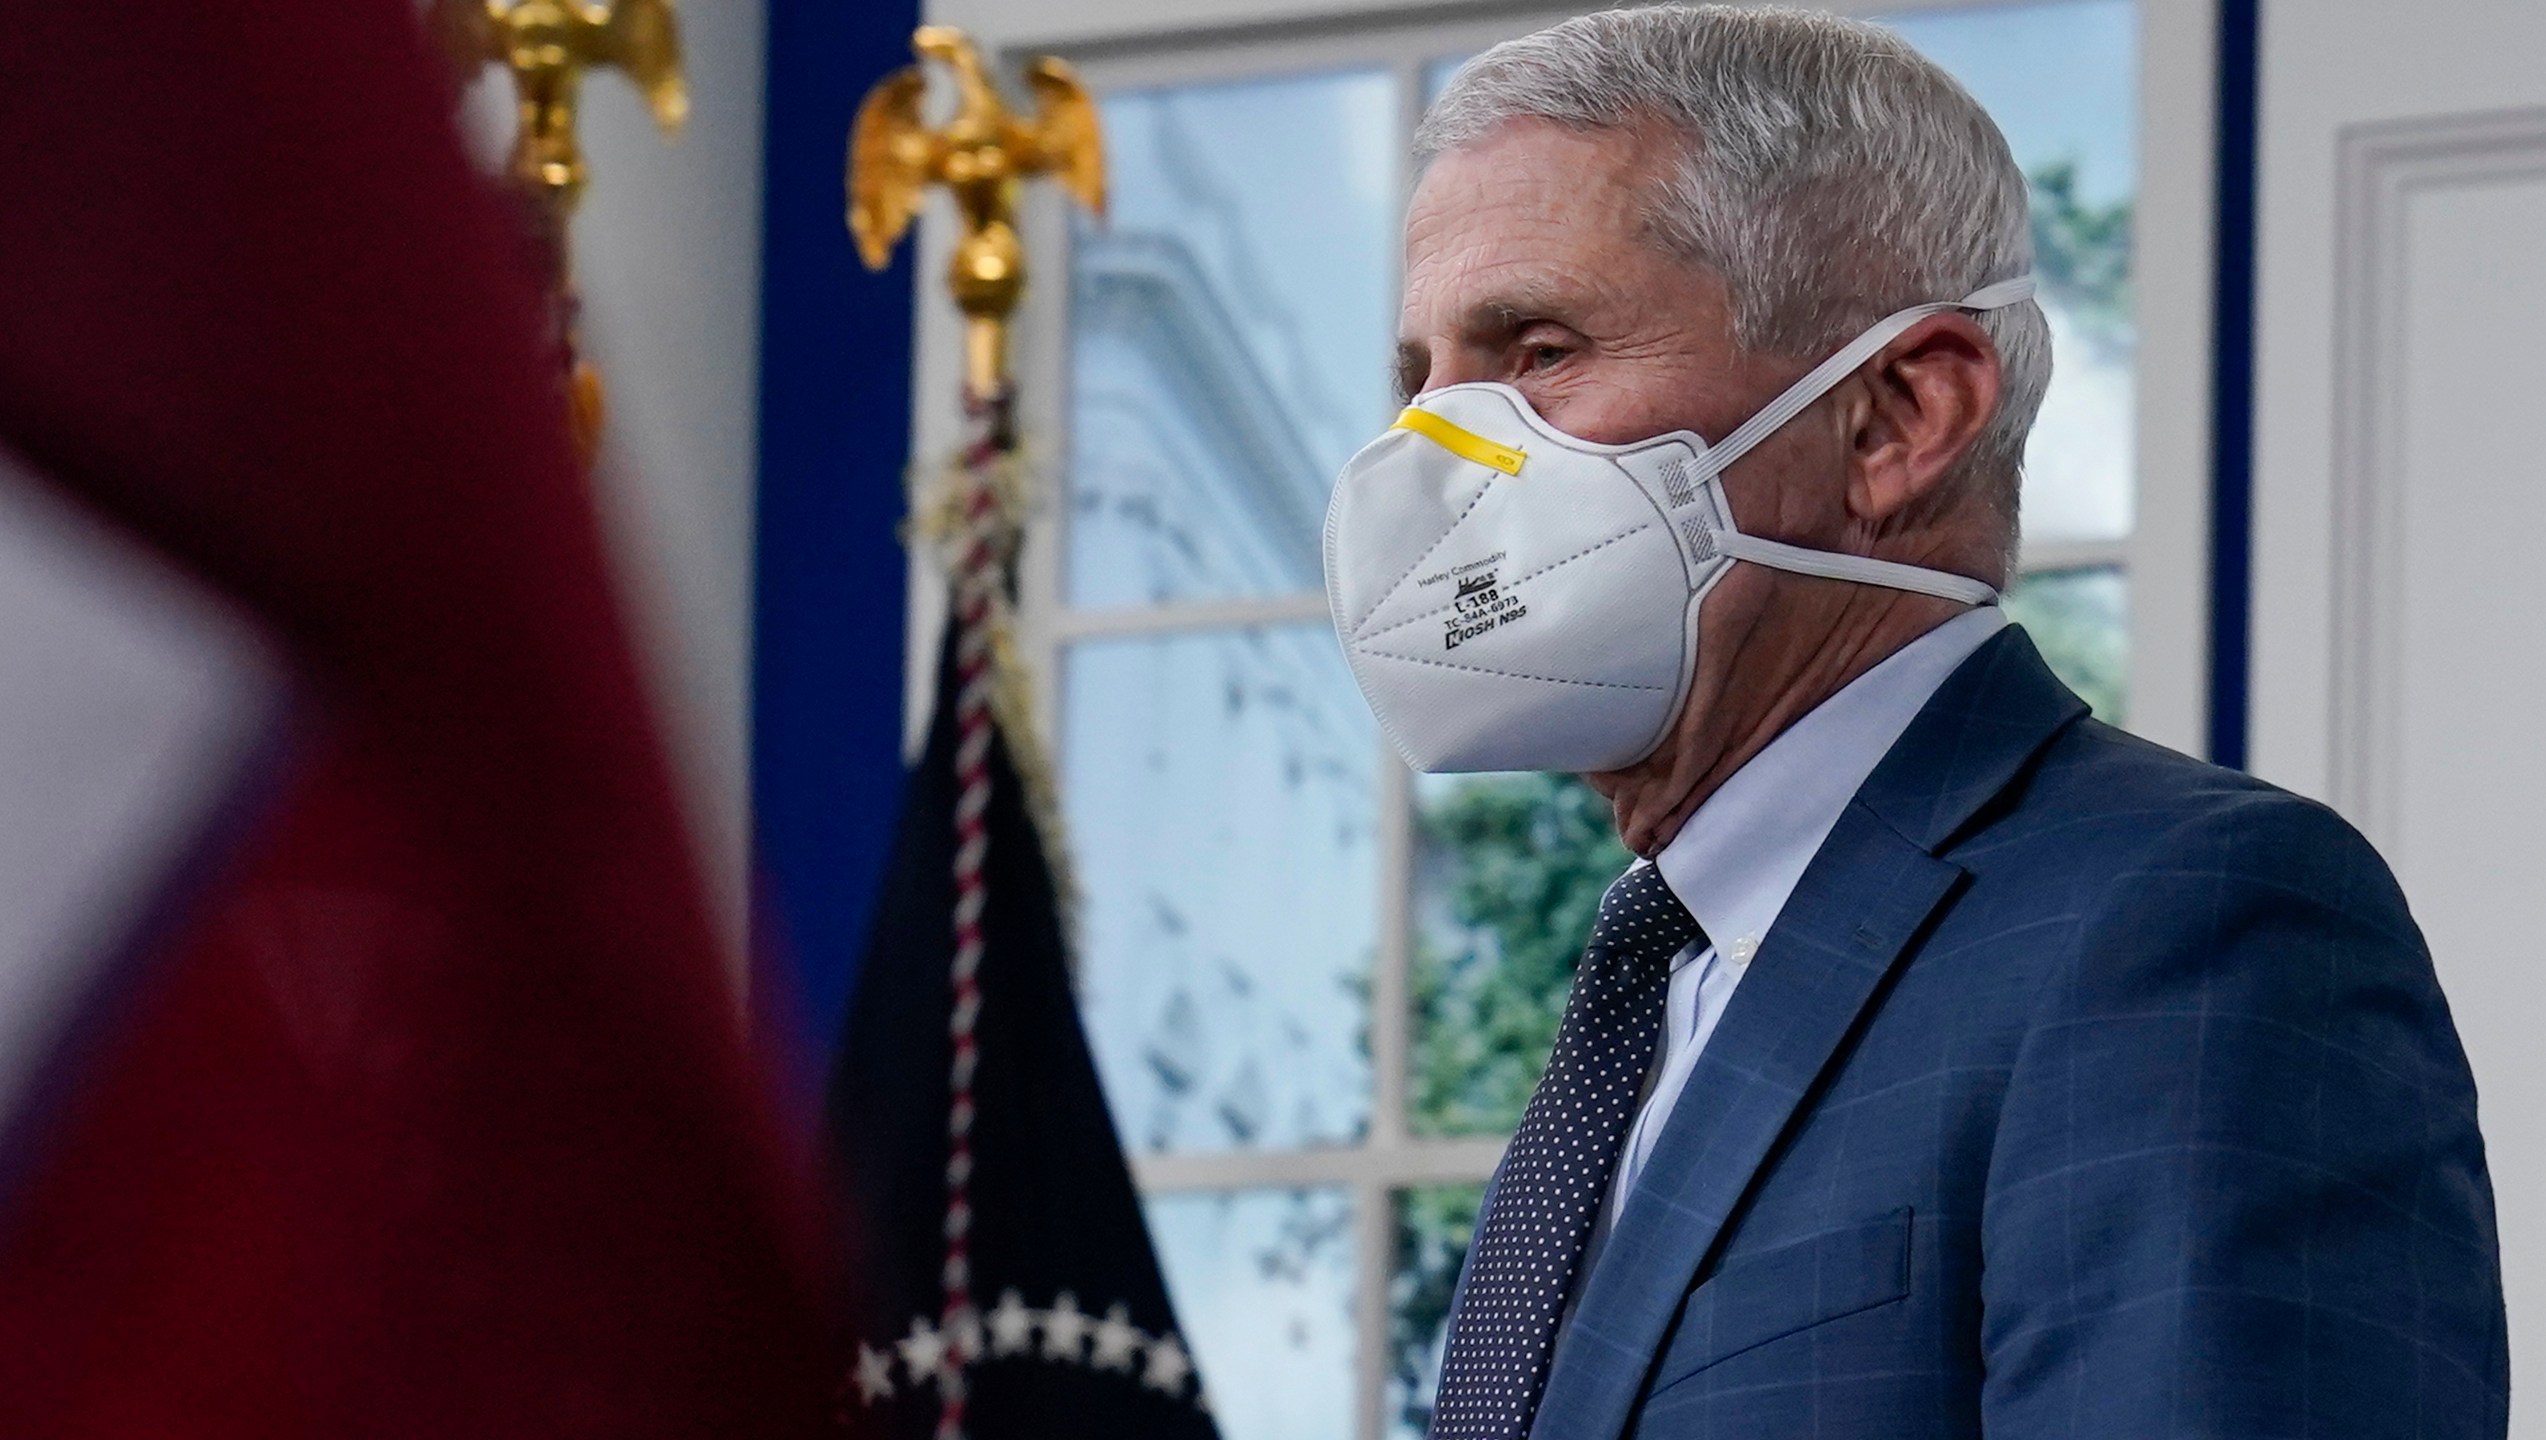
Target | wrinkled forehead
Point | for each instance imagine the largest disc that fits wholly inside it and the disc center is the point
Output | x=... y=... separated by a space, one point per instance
x=1537 y=216
x=1532 y=170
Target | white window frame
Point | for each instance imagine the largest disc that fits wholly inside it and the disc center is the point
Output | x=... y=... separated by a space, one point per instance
x=1143 y=44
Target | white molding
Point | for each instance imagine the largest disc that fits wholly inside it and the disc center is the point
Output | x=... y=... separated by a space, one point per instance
x=1066 y=625
x=2044 y=557
x=1419 y=1162
x=1292 y=32
x=1374 y=1303
x=2174 y=264
x=1392 y=968
x=1391 y=1029
x=2382 y=169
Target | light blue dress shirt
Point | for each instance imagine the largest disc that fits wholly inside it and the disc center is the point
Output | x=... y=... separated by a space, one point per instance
x=1740 y=855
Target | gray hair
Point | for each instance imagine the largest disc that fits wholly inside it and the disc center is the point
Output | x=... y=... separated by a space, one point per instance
x=1833 y=175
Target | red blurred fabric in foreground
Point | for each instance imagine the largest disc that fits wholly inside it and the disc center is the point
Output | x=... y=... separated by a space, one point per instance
x=429 y=1116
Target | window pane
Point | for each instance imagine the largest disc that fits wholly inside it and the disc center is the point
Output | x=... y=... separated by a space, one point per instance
x=1221 y=800
x=2081 y=621
x=2062 y=80
x=1263 y=1286
x=1434 y=1225
x=1437 y=73
x=1509 y=870
x=1230 y=332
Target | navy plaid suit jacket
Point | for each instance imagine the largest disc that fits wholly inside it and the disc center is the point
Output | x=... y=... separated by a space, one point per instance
x=2081 y=1090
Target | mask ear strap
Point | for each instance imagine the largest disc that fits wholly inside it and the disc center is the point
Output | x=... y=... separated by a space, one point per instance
x=1778 y=555
x=1856 y=352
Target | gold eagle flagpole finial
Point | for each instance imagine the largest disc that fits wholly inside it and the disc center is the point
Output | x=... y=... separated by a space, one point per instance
x=974 y=514
x=981 y=155
x=547 y=46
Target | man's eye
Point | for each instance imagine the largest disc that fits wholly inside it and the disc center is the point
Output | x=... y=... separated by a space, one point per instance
x=1542 y=357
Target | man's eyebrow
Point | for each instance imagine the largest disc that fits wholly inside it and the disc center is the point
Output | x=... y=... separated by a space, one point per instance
x=1503 y=313
x=1492 y=319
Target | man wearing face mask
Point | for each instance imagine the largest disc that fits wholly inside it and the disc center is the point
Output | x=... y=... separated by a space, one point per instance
x=1951 y=1064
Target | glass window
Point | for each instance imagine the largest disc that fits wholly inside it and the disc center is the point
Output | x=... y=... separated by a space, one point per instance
x=1221 y=809
x=1509 y=870
x=2074 y=129
x=1263 y=1281
x=1434 y=1225
x=1319 y=989
x=1229 y=333
x=2081 y=619
x=1436 y=76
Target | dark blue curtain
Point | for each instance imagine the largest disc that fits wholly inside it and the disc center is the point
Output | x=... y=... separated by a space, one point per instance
x=835 y=401
x=2232 y=384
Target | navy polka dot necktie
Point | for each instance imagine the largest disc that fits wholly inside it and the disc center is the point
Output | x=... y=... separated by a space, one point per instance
x=1556 y=1173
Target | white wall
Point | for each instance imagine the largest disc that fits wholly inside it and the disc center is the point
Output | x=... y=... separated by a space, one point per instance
x=2332 y=68
x=668 y=251
x=2399 y=668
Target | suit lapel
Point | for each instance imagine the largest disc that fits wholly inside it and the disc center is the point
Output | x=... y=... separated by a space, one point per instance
x=1853 y=917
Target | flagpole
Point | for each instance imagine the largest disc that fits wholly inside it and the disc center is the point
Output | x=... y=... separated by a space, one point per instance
x=547 y=46
x=982 y=155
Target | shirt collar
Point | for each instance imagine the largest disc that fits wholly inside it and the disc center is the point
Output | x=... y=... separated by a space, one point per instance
x=1740 y=855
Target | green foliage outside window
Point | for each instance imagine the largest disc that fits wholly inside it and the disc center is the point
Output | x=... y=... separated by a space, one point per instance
x=2082 y=254
x=1529 y=856
x=2078 y=619
x=1526 y=860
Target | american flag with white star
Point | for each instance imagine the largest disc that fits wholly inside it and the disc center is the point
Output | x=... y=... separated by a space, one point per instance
x=1071 y=1336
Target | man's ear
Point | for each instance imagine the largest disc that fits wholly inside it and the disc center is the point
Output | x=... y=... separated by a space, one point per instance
x=1923 y=401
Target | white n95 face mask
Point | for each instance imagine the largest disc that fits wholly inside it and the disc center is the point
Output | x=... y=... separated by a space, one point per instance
x=1511 y=597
